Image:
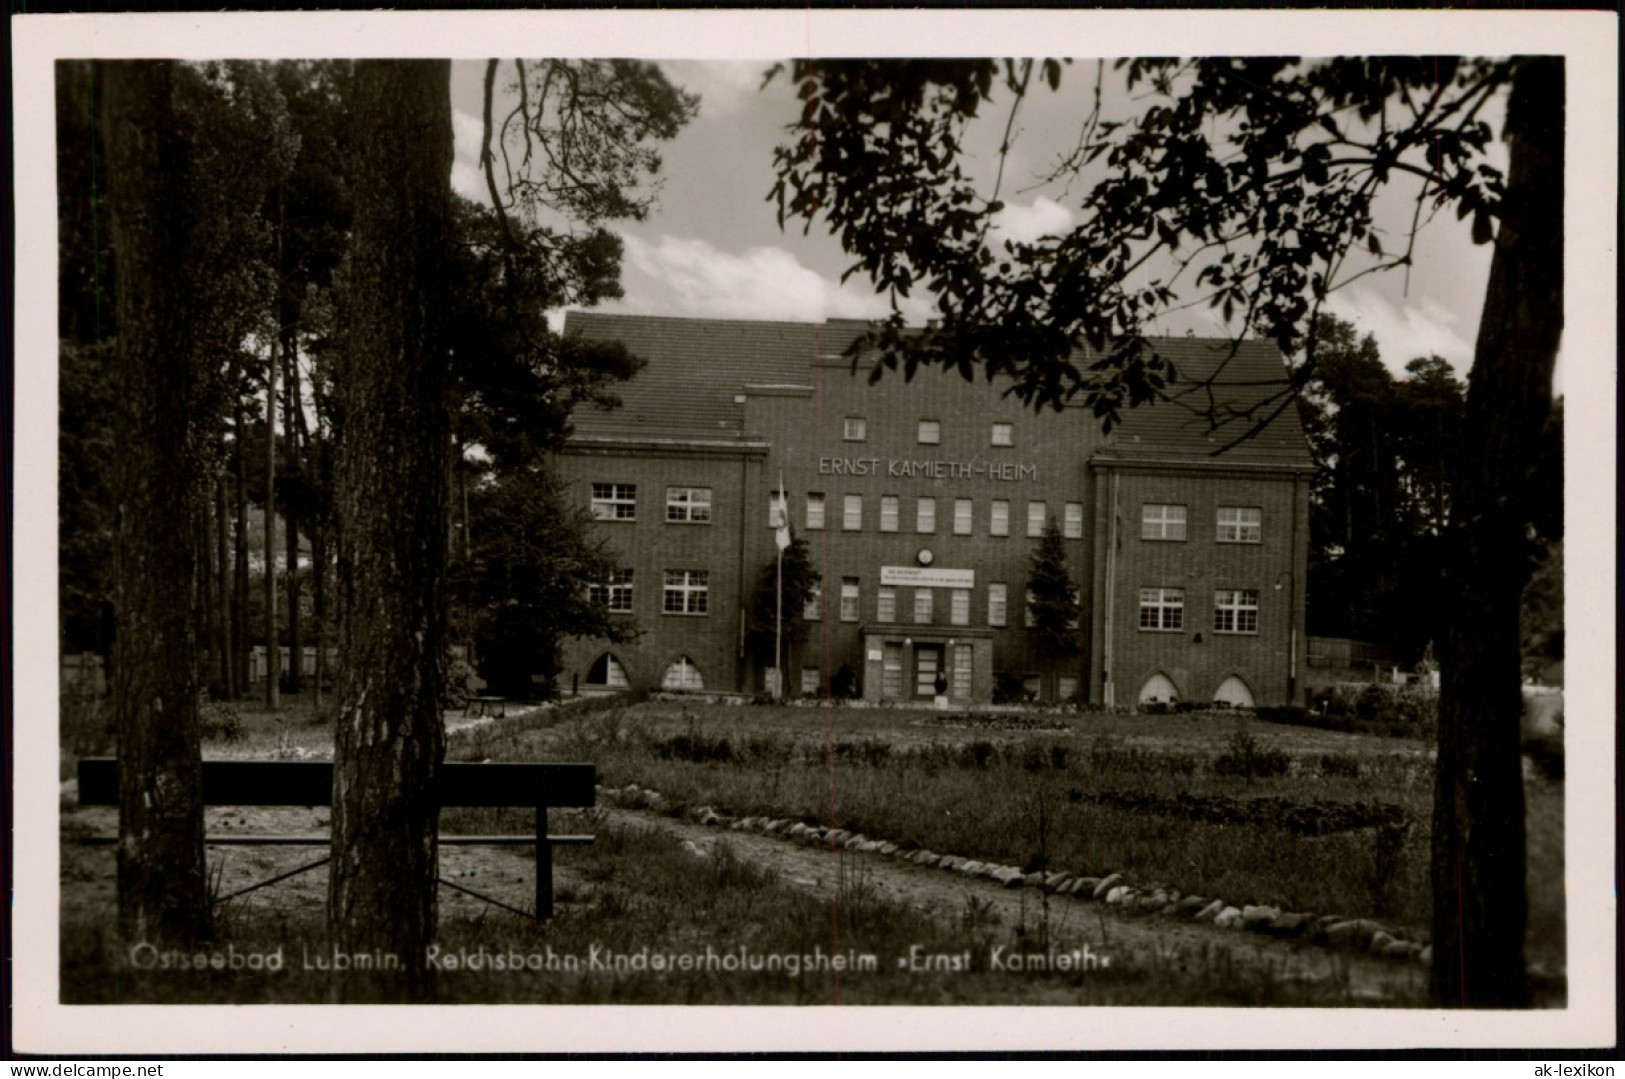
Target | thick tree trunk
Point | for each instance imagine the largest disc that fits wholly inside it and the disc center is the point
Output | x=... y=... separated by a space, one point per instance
x=162 y=888
x=1479 y=906
x=393 y=442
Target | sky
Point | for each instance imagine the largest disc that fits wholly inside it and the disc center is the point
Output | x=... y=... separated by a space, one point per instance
x=712 y=247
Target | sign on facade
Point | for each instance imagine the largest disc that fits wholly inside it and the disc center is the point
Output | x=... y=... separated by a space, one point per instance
x=927 y=577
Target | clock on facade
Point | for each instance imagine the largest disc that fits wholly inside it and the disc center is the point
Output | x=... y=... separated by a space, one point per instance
x=925 y=556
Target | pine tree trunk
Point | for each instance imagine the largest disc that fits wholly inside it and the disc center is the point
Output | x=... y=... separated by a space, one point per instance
x=162 y=887
x=1480 y=909
x=240 y=581
x=222 y=588
x=273 y=656
x=203 y=587
x=318 y=577
x=290 y=405
x=393 y=443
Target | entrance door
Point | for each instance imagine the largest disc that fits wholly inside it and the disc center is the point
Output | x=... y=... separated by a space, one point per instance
x=891 y=672
x=927 y=662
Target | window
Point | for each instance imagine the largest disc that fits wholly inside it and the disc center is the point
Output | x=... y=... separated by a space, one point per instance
x=854 y=429
x=1240 y=524
x=1066 y=687
x=849 y=599
x=688 y=591
x=1029 y=619
x=1004 y=434
x=1162 y=609
x=614 y=593
x=606 y=670
x=682 y=674
x=1036 y=514
x=925 y=516
x=812 y=682
x=886 y=605
x=998 y=602
x=815 y=510
x=922 y=606
x=1162 y=522
x=1233 y=693
x=852 y=513
x=1235 y=610
x=930 y=432
x=1072 y=528
x=959 y=607
x=813 y=609
x=614 y=501
x=688 y=505
x=963 y=508
x=888 y=513
x=998 y=522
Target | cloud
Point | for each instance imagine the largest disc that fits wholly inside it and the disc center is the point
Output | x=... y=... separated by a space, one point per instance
x=1404 y=331
x=1026 y=224
x=725 y=89
x=466 y=180
x=678 y=276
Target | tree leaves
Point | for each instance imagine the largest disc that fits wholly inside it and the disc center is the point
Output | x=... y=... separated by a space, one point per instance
x=1249 y=175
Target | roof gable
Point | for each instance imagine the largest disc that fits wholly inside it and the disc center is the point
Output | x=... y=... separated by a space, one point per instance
x=697 y=369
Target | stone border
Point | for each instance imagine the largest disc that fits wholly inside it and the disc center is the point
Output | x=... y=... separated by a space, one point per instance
x=1362 y=935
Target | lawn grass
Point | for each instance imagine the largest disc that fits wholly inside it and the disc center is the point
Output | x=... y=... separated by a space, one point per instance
x=1025 y=790
x=638 y=895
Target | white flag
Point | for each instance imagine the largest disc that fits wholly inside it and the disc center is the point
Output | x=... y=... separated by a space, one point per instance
x=781 y=520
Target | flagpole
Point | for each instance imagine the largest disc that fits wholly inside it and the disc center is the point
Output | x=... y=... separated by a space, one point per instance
x=778 y=603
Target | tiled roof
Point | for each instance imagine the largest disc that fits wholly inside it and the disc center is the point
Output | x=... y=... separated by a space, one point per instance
x=696 y=367
x=1230 y=397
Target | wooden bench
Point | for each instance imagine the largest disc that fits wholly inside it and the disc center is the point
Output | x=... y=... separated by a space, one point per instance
x=310 y=783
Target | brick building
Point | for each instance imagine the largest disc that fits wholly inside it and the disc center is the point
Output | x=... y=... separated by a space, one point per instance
x=922 y=502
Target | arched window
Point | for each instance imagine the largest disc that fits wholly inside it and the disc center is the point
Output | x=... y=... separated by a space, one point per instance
x=607 y=671
x=1158 y=689
x=1233 y=693
x=682 y=674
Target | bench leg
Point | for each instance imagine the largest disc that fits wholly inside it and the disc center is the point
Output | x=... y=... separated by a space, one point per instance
x=544 y=867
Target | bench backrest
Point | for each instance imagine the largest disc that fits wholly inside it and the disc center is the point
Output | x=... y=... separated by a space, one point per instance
x=310 y=783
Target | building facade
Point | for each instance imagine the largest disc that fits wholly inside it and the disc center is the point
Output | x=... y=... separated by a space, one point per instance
x=922 y=502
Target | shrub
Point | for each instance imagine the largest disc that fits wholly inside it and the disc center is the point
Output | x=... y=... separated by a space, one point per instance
x=1340 y=764
x=693 y=745
x=1372 y=702
x=844 y=686
x=87 y=725
x=459 y=683
x=1008 y=689
x=1250 y=758
x=1289 y=714
x=220 y=721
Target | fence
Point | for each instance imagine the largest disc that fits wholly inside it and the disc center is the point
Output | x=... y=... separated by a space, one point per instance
x=258 y=664
x=1344 y=652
